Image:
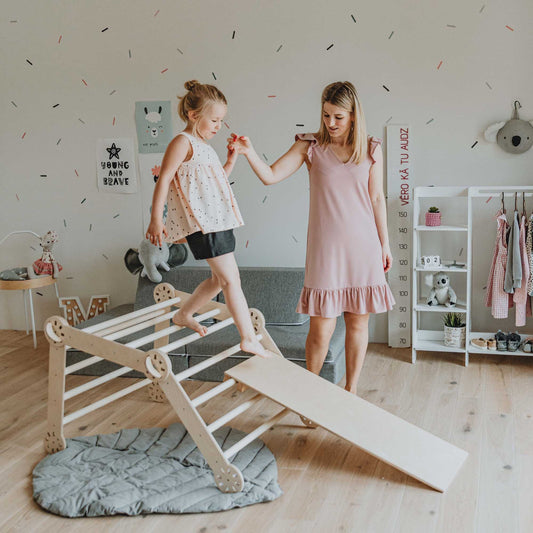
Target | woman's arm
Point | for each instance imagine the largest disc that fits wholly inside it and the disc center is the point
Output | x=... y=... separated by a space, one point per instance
x=284 y=167
x=175 y=154
x=377 y=197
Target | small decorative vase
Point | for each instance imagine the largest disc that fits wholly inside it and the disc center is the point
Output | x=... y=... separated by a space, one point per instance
x=433 y=219
x=454 y=336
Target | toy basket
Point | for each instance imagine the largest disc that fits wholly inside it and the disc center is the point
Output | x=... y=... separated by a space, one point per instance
x=454 y=336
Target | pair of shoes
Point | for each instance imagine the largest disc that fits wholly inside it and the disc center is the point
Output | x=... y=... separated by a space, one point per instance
x=484 y=344
x=509 y=342
x=527 y=346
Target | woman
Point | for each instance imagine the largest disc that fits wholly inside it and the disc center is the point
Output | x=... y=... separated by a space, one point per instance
x=348 y=249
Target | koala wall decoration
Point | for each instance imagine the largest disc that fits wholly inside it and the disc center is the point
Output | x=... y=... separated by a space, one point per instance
x=514 y=136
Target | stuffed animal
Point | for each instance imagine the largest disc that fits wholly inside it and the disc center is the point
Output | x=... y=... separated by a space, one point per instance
x=14 y=274
x=47 y=265
x=149 y=257
x=441 y=292
x=514 y=136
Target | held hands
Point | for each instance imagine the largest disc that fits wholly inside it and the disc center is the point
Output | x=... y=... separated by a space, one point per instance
x=386 y=257
x=155 y=232
x=239 y=145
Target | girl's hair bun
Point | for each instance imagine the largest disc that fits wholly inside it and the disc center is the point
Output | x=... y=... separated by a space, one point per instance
x=191 y=84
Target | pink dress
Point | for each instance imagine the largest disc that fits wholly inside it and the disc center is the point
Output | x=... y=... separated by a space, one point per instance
x=343 y=267
x=520 y=296
x=496 y=298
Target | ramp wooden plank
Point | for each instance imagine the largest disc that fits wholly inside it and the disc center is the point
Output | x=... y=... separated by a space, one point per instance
x=396 y=442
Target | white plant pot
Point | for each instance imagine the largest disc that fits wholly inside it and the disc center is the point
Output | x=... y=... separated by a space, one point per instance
x=454 y=336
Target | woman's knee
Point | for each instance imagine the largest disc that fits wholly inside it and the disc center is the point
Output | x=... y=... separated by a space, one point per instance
x=356 y=323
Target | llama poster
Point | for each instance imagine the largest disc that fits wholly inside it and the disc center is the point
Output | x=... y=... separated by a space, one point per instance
x=154 y=126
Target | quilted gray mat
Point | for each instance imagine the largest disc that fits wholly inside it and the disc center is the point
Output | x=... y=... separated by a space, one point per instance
x=141 y=471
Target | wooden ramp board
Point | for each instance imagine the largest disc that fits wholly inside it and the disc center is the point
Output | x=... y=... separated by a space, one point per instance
x=398 y=443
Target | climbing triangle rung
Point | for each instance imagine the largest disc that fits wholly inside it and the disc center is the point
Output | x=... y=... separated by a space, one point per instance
x=140 y=326
x=195 y=336
x=238 y=446
x=134 y=314
x=213 y=360
x=119 y=328
x=215 y=391
x=98 y=381
x=230 y=415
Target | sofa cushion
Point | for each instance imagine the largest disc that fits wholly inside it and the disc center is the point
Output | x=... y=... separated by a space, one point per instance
x=275 y=291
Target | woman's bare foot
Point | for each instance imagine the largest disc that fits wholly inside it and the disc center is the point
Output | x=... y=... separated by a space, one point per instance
x=187 y=321
x=255 y=347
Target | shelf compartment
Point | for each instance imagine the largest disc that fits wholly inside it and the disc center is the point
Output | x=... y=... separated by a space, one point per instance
x=433 y=341
x=441 y=228
x=440 y=269
x=486 y=335
x=422 y=306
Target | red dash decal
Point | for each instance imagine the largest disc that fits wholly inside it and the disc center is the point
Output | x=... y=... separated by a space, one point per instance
x=60 y=37
x=17 y=197
x=488 y=199
x=247 y=244
x=155 y=14
x=84 y=81
x=272 y=96
x=509 y=27
x=76 y=173
x=226 y=124
x=113 y=121
x=439 y=65
x=164 y=70
x=24 y=135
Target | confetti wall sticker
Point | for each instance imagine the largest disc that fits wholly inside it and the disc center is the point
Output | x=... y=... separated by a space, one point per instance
x=439 y=65
x=509 y=27
x=473 y=145
x=24 y=135
x=156 y=13
x=56 y=105
x=233 y=36
x=84 y=82
x=29 y=62
x=226 y=124
x=280 y=46
x=488 y=85
x=482 y=8
x=330 y=46
x=300 y=125
x=386 y=88
x=247 y=242
x=272 y=96
x=104 y=255
x=353 y=18
x=164 y=70
x=14 y=103
x=391 y=34
x=83 y=201
x=59 y=41
x=129 y=53
x=264 y=199
x=179 y=51
x=117 y=215
x=388 y=120
x=451 y=26
x=65 y=223
x=114 y=121
x=488 y=199
x=105 y=29
x=17 y=197
x=430 y=121
x=295 y=239
x=112 y=92
x=43 y=175
x=90 y=227
x=76 y=173
x=58 y=141
x=81 y=121
x=214 y=75
x=265 y=157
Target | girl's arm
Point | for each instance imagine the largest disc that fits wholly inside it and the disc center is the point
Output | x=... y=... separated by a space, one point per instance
x=284 y=167
x=175 y=154
x=375 y=189
x=231 y=160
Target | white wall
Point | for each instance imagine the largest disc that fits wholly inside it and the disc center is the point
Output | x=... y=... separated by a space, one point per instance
x=479 y=50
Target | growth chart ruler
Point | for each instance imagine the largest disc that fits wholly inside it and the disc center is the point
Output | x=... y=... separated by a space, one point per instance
x=400 y=222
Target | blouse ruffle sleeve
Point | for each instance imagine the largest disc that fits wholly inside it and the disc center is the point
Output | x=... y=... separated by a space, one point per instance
x=312 y=144
x=374 y=142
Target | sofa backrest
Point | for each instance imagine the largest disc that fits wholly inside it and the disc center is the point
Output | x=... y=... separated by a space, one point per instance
x=273 y=290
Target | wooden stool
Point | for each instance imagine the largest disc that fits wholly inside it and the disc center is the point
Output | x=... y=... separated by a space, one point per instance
x=26 y=287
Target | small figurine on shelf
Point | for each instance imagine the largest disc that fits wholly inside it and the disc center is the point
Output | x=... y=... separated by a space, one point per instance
x=433 y=217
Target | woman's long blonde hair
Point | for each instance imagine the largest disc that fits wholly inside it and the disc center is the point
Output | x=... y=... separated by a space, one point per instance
x=198 y=98
x=343 y=94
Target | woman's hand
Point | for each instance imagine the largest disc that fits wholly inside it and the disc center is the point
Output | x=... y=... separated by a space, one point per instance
x=386 y=257
x=155 y=232
x=241 y=145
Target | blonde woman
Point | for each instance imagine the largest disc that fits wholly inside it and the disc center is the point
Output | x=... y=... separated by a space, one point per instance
x=202 y=209
x=348 y=250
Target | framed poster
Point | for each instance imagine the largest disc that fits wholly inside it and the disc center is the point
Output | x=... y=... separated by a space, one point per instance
x=115 y=166
x=154 y=126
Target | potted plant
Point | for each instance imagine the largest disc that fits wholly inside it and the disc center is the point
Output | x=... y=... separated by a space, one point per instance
x=433 y=216
x=454 y=330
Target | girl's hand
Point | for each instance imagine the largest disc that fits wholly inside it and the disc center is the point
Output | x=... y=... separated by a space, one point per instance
x=386 y=258
x=242 y=144
x=155 y=232
x=232 y=152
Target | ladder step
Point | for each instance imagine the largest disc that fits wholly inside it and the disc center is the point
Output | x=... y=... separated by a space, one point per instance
x=98 y=381
x=134 y=314
x=210 y=362
x=238 y=446
x=230 y=415
x=215 y=391
x=143 y=325
x=117 y=328
x=186 y=340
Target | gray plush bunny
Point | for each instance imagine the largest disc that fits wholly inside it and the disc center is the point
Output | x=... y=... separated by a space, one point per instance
x=514 y=136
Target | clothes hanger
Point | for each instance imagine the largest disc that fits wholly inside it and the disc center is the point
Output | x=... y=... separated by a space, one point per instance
x=503 y=202
x=515 y=200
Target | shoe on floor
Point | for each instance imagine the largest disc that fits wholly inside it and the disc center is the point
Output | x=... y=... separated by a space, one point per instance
x=501 y=341
x=527 y=346
x=479 y=343
x=513 y=341
x=491 y=344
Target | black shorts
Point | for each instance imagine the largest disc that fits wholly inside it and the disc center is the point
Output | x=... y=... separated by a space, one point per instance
x=207 y=245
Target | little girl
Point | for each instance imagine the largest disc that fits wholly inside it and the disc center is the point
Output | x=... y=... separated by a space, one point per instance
x=202 y=209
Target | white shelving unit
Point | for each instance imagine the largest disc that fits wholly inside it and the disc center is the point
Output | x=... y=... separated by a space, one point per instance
x=426 y=339
x=430 y=340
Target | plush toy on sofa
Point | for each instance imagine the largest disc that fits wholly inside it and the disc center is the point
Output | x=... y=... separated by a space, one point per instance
x=441 y=292
x=514 y=136
x=150 y=256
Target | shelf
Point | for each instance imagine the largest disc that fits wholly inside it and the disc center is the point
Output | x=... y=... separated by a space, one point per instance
x=441 y=228
x=433 y=341
x=459 y=308
x=485 y=335
x=440 y=269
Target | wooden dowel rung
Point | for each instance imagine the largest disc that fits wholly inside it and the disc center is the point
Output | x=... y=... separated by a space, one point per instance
x=220 y=325
x=238 y=446
x=140 y=326
x=230 y=415
x=215 y=391
x=106 y=400
x=82 y=364
x=134 y=314
x=210 y=362
x=171 y=329
x=95 y=382
x=118 y=328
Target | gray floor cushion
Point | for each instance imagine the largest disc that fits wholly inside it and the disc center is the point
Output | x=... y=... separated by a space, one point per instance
x=141 y=471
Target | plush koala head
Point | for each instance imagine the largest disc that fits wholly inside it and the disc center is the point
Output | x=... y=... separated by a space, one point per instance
x=441 y=280
x=514 y=136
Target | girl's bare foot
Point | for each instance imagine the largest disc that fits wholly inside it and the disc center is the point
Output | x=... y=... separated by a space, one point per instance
x=353 y=390
x=255 y=347
x=187 y=321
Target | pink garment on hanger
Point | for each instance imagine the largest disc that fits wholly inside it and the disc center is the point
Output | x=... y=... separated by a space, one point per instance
x=496 y=298
x=520 y=296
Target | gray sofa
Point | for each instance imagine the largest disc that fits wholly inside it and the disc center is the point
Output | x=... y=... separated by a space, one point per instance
x=274 y=291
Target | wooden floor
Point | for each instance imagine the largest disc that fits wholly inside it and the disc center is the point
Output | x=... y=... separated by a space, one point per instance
x=329 y=486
